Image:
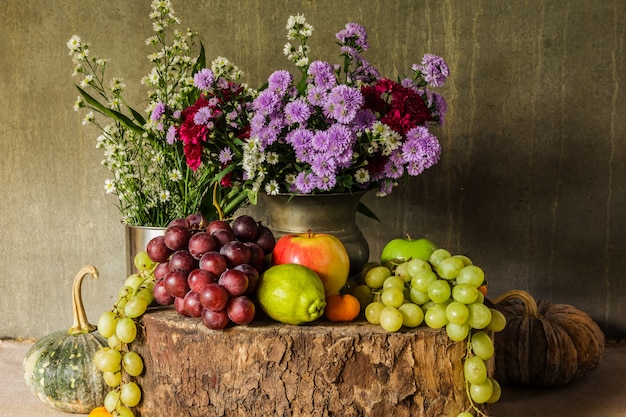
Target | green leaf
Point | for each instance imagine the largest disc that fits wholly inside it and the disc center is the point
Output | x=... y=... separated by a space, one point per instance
x=364 y=210
x=113 y=114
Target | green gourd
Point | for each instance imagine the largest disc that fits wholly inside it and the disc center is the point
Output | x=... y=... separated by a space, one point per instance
x=59 y=367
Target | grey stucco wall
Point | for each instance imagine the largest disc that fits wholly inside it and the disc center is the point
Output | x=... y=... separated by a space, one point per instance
x=531 y=184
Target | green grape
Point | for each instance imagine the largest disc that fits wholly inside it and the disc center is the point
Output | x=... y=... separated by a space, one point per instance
x=427 y=305
x=124 y=292
x=439 y=291
x=135 y=307
x=375 y=277
x=402 y=272
x=457 y=312
x=481 y=298
x=392 y=297
x=481 y=393
x=449 y=268
x=130 y=394
x=134 y=281
x=418 y=297
x=435 y=316
x=106 y=324
x=475 y=370
x=364 y=294
x=422 y=279
x=107 y=359
x=123 y=412
x=466 y=261
x=146 y=292
x=416 y=265
x=132 y=363
x=126 y=330
x=390 y=319
x=457 y=332
x=479 y=315
x=497 y=391
x=498 y=321
x=112 y=400
x=472 y=275
x=465 y=414
x=393 y=281
x=465 y=293
x=438 y=255
x=412 y=314
x=482 y=346
x=112 y=379
x=143 y=262
x=372 y=312
x=114 y=342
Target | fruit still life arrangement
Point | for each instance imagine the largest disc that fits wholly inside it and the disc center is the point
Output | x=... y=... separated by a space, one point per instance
x=231 y=273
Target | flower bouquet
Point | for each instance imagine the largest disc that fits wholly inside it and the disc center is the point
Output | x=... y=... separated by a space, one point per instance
x=342 y=128
x=181 y=154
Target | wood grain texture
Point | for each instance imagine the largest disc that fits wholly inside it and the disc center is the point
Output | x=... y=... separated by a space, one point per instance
x=271 y=369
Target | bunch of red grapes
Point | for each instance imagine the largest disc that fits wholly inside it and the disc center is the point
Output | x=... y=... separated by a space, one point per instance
x=209 y=269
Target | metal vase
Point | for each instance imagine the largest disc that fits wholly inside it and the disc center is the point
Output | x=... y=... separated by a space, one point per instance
x=333 y=214
x=137 y=238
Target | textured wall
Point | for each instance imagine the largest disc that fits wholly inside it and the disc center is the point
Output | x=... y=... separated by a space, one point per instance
x=531 y=184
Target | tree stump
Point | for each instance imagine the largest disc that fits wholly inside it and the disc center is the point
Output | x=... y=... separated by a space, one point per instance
x=320 y=369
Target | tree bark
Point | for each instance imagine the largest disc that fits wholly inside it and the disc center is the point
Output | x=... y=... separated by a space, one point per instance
x=320 y=369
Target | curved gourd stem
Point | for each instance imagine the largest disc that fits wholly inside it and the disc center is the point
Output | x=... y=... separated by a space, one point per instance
x=529 y=302
x=81 y=324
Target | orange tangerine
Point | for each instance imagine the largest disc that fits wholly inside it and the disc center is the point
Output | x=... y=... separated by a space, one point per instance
x=342 y=307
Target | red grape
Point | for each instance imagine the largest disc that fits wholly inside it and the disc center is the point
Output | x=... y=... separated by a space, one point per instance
x=201 y=243
x=244 y=228
x=176 y=237
x=236 y=253
x=265 y=239
x=235 y=282
x=213 y=262
x=161 y=296
x=192 y=304
x=160 y=270
x=218 y=225
x=197 y=221
x=215 y=320
x=175 y=283
x=199 y=278
x=182 y=259
x=157 y=250
x=214 y=297
x=241 y=310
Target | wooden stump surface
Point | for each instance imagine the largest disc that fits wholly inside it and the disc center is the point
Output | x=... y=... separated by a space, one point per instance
x=273 y=369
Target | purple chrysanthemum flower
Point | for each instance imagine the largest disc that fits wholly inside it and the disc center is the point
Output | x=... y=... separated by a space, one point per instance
x=363 y=119
x=203 y=115
x=435 y=70
x=158 y=111
x=279 y=81
x=324 y=182
x=304 y=183
x=343 y=102
x=170 y=137
x=353 y=33
x=225 y=156
x=442 y=107
x=266 y=102
x=317 y=95
x=323 y=165
x=297 y=111
x=203 y=80
x=322 y=74
x=320 y=140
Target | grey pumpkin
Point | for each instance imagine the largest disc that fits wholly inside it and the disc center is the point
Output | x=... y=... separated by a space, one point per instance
x=59 y=367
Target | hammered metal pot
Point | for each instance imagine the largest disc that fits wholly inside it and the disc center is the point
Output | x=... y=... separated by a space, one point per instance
x=137 y=238
x=334 y=214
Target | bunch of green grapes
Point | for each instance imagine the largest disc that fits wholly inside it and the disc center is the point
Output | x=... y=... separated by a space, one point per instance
x=118 y=364
x=445 y=291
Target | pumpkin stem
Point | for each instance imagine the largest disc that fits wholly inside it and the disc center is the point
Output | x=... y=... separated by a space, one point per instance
x=529 y=302
x=81 y=324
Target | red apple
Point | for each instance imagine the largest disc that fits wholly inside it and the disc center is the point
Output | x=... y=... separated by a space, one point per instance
x=321 y=252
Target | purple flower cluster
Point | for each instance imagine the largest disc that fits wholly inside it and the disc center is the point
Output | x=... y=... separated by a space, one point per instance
x=344 y=128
